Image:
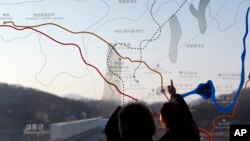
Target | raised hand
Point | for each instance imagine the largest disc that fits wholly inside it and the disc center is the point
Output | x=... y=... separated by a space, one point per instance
x=171 y=88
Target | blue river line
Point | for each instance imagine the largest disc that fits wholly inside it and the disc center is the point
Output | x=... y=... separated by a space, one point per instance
x=207 y=90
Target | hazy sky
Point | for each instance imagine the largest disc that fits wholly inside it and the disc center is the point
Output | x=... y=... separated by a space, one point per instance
x=31 y=59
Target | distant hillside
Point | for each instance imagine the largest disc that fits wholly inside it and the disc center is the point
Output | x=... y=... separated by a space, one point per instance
x=205 y=111
x=74 y=96
x=20 y=106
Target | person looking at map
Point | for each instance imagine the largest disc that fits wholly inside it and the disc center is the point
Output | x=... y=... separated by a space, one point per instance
x=176 y=117
x=133 y=122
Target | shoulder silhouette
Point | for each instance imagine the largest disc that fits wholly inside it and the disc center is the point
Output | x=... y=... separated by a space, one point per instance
x=135 y=123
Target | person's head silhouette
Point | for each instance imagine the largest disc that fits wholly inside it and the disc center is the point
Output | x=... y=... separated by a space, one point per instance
x=136 y=121
x=170 y=115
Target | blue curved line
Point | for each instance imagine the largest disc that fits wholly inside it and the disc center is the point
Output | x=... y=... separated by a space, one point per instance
x=212 y=90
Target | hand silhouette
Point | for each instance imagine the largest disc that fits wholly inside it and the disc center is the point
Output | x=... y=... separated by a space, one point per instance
x=171 y=88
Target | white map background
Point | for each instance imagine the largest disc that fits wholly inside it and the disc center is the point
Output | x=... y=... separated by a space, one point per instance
x=189 y=41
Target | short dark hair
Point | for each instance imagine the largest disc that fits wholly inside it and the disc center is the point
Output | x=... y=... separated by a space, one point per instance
x=172 y=114
x=136 y=119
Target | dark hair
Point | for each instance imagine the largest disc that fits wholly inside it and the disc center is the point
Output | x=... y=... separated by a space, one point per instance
x=136 y=119
x=172 y=114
